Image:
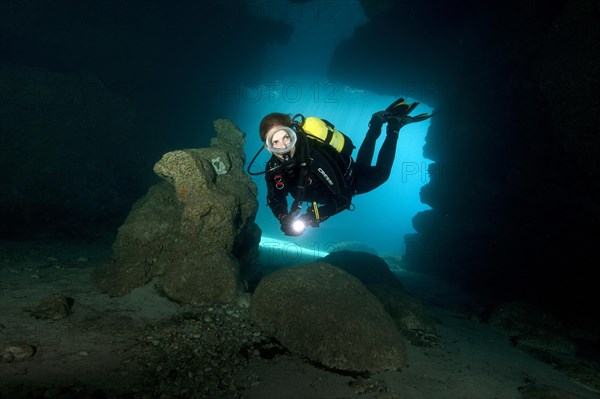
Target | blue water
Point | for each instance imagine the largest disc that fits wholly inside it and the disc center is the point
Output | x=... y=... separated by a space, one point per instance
x=295 y=81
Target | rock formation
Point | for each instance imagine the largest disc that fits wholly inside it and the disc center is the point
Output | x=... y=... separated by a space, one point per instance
x=409 y=315
x=193 y=229
x=321 y=312
x=513 y=187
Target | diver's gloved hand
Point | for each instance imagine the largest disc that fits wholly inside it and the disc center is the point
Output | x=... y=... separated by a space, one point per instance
x=289 y=226
x=309 y=218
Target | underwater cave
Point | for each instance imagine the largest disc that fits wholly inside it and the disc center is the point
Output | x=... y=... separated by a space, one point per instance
x=131 y=234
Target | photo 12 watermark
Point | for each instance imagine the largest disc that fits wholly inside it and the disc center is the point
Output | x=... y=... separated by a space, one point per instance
x=271 y=92
x=417 y=251
x=437 y=172
x=287 y=253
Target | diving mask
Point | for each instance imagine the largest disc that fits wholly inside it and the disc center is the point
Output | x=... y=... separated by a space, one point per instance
x=280 y=140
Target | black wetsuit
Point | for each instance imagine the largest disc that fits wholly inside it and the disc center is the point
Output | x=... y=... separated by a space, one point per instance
x=332 y=179
x=370 y=177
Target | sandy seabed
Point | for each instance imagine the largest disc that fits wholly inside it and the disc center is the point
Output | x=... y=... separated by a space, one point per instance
x=90 y=353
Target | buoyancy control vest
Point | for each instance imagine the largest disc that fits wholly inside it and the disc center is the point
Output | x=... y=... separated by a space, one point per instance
x=322 y=151
x=332 y=161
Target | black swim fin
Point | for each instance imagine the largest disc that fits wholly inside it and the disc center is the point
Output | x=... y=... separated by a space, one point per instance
x=397 y=114
x=400 y=108
x=401 y=121
x=420 y=117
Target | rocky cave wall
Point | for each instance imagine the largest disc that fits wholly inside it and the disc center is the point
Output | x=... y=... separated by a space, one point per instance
x=93 y=93
x=515 y=142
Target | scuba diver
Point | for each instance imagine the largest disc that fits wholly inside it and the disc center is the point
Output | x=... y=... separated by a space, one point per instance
x=312 y=161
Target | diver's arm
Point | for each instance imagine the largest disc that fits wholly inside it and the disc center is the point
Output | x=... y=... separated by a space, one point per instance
x=328 y=209
x=276 y=198
x=279 y=209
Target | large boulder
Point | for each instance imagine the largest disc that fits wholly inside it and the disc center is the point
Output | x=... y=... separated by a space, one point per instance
x=409 y=315
x=200 y=278
x=191 y=229
x=321 y=312
x=367 y=267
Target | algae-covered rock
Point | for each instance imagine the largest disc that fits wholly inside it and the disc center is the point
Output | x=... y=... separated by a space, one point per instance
x=202 y=279
x=15 y=351
x=53 y=307
x=408 y=314
x=140 y=250
x=192 y=228
x=367 y=267
x=322 y=312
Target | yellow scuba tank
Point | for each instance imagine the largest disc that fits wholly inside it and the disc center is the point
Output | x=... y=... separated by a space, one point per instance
x=324 y=131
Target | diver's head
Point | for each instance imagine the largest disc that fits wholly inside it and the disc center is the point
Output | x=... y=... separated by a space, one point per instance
x=278 y=136
x=271 y=120
x=281 y=141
